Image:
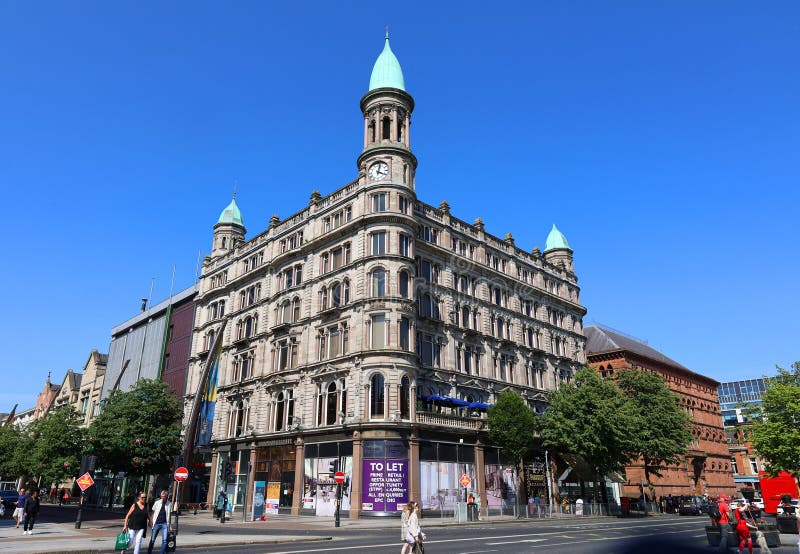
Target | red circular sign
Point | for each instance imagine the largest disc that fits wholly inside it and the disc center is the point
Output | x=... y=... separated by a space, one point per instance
x=181 y=474
x=465 y=480
x=339 y=477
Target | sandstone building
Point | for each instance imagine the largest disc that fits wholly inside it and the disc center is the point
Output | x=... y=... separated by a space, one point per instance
x=369 y=332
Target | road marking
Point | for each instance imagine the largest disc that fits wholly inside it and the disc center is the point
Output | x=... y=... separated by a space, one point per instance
x=514 y=542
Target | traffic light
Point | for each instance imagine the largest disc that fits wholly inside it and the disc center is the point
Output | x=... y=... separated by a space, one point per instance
x=227 y=469
x=333 y=467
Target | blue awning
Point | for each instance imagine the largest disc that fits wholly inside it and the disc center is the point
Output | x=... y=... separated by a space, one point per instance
x=479 y=406
x=456 y=402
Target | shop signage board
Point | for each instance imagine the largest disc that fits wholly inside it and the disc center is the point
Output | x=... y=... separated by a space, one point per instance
x=385 y=485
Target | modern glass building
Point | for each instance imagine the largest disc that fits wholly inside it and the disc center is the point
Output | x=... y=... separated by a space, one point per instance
x=737 y=396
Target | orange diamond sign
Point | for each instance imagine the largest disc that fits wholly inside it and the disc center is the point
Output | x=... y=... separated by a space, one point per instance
x=85 y=481
x=465 y=480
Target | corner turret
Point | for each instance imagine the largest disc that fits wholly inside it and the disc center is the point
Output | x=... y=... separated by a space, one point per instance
x=557 y=250
x=229 y=230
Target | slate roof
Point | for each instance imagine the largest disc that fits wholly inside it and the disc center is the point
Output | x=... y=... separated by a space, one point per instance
x=603 y=339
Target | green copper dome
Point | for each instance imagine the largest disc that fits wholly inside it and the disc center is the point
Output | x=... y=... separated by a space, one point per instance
x=556 y=240
x=231 y=214
x=386 y=72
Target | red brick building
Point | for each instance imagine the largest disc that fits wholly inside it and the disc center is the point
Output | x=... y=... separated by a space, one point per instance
x=706 y=468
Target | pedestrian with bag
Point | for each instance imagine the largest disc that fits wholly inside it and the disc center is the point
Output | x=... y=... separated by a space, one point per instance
x=137 y=520
x=221 y=504
x=415 y=531
x=721 y=517
x=31 y=512
x=160 y=519
x=19 y=507
x=404 y=536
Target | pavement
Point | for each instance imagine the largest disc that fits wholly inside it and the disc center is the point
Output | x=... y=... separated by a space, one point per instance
x=55 y=531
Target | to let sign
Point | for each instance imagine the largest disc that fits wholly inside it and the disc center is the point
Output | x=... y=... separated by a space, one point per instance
x=339 y=477
x=85 y=481
x=181 y=474
x=465 y=480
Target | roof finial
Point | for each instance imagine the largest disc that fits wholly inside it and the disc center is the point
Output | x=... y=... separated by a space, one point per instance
x=387 y=32
x=235 y=184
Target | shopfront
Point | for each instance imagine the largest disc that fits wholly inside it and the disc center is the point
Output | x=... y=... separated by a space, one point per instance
x=441 y=466
x=322 y=461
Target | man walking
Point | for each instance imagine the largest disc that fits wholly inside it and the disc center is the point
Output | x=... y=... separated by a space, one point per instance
x=161 y=510
x=19 y=508
x=31 y=511
x=724 y=522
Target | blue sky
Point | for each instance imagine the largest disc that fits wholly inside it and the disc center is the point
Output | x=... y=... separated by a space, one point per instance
x=661 y=137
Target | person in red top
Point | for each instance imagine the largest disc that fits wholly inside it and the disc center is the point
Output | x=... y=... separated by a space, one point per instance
x=724 y=522
x=741 y=528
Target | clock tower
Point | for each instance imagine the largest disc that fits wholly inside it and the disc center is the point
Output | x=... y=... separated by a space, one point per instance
x=387 y=107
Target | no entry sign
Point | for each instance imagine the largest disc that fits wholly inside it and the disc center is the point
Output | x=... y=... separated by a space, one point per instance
x=339 y=477
x=181 y=474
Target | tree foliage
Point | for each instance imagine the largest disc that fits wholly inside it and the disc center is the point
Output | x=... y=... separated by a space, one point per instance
x=775 y=432
x=592 y=418
x=662 y=430
x=138 y=431
x=52 y=445
x=511 y=427
x=11 y=448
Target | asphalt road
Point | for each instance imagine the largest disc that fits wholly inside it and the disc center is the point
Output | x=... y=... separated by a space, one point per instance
x=676 y=535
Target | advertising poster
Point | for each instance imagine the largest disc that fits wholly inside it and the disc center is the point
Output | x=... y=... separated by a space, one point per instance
x=273 y=498
x=385 y=487
x=259 y=488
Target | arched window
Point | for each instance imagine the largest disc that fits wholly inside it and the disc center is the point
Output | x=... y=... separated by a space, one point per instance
x=402 y=283
x=286 y=312
x=465 y=316
x=405 y=398
x=386 y=130
x=237 y=423
x=284 y=410
x=371 y=132
x=377 y=396
x=379 y=283
x=336 y=295
x=345 y=291
x=331 y=405
x=323 y=298
x=249 y=327
x=296 y=309
x=500 y=328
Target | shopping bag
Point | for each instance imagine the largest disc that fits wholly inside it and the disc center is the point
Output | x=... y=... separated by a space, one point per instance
x=122 y=541
x=171 y=542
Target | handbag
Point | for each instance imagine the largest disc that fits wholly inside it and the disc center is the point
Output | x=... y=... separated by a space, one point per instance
x=123 y=539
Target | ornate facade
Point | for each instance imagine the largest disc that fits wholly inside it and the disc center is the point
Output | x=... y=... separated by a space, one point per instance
x=369 y=332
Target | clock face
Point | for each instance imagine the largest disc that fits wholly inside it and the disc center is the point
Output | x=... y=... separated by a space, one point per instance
x=378 y=170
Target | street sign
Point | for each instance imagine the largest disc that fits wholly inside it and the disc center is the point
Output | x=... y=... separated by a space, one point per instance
x=339 y=477
x=85 y=481
x=465 y=481
x=181 y=474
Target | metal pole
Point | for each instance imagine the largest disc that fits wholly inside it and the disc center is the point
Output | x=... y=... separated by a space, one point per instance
x=80 y=512
x=338 y=503
x=549 y=483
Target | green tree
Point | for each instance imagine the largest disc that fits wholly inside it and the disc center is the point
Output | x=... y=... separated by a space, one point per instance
x=138 y=431
x=592 y=418
x=511 y=427
x=775 y=432
x=662 y=429
x=11 y=446
x=53 y=445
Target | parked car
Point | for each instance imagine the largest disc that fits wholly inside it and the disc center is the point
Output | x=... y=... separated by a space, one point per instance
x=758 y=502
x=752 y=507
x=9 y=499
x=693 y=505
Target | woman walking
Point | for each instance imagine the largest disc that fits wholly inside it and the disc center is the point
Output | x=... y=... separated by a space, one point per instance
x=136 y=521
x=741 y=528
x=404 y=536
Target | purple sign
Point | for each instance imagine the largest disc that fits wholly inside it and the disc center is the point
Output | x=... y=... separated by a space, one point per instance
x=385 y=485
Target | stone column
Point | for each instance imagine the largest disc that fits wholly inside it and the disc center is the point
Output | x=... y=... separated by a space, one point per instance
x=251 y=477
x=355 y=479
x=299 y=471
x=212 y=481
x=480 y=471
x=414 y=491
x=413 y=403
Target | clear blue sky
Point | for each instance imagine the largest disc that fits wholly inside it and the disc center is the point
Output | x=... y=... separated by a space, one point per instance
x=661 y=137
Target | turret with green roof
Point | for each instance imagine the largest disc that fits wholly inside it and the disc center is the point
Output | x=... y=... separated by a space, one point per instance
x=557 y=250
x=229 y=230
